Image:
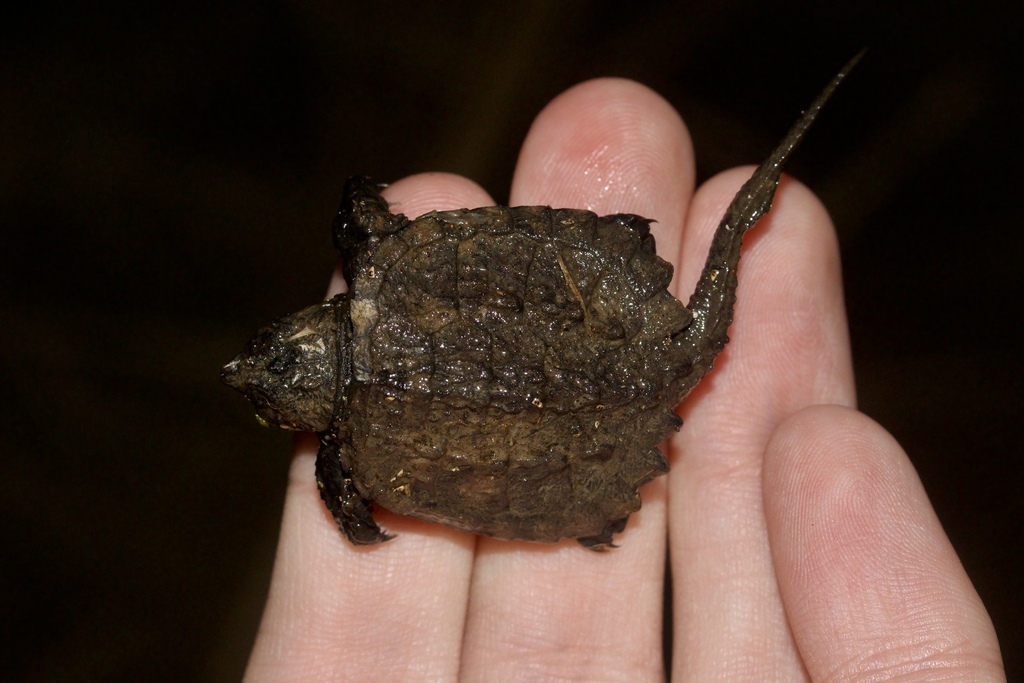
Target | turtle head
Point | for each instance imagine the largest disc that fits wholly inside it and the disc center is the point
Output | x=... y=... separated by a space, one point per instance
x=291 y=370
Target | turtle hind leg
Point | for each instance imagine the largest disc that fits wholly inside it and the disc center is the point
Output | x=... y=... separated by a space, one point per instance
x=350 y=510
x=603 y=540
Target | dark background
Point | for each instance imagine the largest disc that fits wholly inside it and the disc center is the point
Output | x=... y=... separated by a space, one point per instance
x=168 y=175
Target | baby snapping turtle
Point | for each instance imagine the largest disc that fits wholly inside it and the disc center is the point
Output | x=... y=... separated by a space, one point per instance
x=504 y=371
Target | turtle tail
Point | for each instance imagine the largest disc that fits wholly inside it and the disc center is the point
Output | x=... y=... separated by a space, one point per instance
x=713 y=300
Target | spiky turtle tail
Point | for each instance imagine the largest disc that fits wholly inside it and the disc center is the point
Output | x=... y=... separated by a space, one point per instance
x=713 y=300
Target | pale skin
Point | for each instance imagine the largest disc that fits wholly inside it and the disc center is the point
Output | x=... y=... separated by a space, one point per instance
x=802 y=546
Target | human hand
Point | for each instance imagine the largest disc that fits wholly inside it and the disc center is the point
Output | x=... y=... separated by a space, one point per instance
x=801 y=543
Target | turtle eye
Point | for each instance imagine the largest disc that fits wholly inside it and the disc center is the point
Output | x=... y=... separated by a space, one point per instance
x=283 y=361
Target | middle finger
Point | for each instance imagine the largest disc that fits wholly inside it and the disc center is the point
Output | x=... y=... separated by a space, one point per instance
x=563 y=612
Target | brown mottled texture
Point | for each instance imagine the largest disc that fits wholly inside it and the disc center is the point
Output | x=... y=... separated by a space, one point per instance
x=504 y=371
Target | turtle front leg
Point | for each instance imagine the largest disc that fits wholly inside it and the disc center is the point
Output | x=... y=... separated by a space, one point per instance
x=363 y=213
x=350 y=510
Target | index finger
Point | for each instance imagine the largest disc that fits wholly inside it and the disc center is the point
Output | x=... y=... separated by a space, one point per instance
x=391 y=611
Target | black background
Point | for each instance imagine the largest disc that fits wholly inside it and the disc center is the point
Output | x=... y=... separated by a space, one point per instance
x=167 y=179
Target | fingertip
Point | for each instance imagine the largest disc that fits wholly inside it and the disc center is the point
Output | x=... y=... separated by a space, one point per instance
x=840 y=485
x=870 y=581
x=797 y=221
x=830 y=456
x=418 y=194
x=789 y=341
x=609 y=145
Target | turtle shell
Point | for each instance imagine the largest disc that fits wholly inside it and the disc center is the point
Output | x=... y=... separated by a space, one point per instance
x=512 y=369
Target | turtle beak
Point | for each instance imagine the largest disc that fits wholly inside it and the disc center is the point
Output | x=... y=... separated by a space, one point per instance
x=232 y=375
